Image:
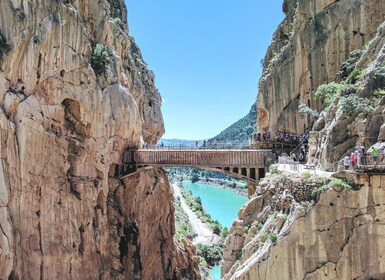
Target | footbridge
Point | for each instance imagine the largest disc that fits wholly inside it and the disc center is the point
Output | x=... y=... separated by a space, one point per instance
x=249 y=164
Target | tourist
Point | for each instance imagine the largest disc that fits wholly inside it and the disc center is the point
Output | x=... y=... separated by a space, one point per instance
x=374 y=153
x=363 y=156
x=358 y=157
x=346 y=162
x=204 y=143
x=353 y=160
x=196 y=143
x=258 y=137
x=268 y=136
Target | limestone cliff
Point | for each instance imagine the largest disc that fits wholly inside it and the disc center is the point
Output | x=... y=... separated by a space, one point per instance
x=280 y=234
x=312 y=227
x=307 y=50
x=74 y=94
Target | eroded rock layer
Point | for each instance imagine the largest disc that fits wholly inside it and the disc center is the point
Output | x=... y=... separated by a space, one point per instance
x=307 y=51
x=339 y=237
x=65 y=121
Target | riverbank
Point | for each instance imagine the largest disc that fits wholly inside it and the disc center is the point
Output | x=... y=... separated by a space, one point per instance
x=204 y=234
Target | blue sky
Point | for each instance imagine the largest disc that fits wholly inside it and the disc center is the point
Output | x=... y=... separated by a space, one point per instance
x=205 y=56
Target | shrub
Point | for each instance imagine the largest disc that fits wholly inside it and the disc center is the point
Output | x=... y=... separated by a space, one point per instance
x=326 y=93
x=356 y=75
x=273 y=237
x=379 y=92
x=340 y=183
x=379 y=75
x=216 y=227
x=348 y=66
x=348 y=90
x=118 y=22
x=100 y=58
x=212 y=254
x=354 y=105
x=194 y=178
x=274 y=169
x=304 y=111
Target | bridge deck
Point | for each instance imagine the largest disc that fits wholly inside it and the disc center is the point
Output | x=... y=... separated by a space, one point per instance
x=200 y=158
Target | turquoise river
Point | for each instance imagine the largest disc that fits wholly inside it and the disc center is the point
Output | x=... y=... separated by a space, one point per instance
x=222 y=204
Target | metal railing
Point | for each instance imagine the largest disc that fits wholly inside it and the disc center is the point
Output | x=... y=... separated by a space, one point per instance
x=288 y=162
x=207 y=146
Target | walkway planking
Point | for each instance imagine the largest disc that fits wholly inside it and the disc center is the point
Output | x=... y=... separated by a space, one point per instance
x=247 y=164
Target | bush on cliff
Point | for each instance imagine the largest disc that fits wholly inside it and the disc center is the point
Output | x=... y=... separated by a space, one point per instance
x=350 y=64
x=353 y=105
x=327 y=92
x=100 y=58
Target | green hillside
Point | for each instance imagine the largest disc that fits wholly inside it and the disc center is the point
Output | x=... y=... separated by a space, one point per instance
x=241 y=130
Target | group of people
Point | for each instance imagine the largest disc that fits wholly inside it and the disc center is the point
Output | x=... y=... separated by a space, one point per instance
x=361 y=157
x=281 y=136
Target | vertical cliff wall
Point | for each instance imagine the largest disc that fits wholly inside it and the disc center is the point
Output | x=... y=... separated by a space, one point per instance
x=307 y=50
x=74 y=93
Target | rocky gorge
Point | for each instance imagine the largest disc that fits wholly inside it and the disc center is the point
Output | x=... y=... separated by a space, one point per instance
x=327 y=57
x=75 y=92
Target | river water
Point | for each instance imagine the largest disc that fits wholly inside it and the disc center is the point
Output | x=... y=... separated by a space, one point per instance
x=222 y=204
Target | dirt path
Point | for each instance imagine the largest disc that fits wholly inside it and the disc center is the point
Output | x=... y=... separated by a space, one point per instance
x=204 y=233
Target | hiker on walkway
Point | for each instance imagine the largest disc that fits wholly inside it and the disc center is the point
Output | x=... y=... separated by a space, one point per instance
x=204 y=143
x=363 y=155
x=353 y=159
x=374 y=153
x=346 y=162
x=196 y=143
x=258 y=137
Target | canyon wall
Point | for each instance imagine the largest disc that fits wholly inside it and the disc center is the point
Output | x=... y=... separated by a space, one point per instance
x=281 y=234
x=310 y=226
x=306 y=51
x=74 y=94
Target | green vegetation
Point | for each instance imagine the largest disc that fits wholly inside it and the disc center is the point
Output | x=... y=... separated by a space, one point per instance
x=353 y=105
x=100 y=58
x=335 y=182
x=273 y=169
x=332 y=183
x=273 y=237
x=206 y=176
x=379 y=76
x=211 y=253
x=241 y=130
x=118 y=22
x=348 y=89
x=304 y=111
x=195 y=205
x=349 y=65
x=183 y=228
x=326 y=93
x=355 y=76
x=194 y=178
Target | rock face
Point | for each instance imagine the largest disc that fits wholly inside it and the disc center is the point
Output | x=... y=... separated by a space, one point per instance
x=340 y=237
x=307 y=50
x=339 y=130
x=63 y=214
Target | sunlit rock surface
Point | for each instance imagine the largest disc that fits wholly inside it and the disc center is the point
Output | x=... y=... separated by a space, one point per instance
x=63 y=128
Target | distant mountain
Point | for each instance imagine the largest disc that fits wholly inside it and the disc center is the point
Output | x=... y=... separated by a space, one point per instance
x=241 y=130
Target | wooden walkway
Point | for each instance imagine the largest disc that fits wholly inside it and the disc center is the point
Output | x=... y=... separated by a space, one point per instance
x=247 y=164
